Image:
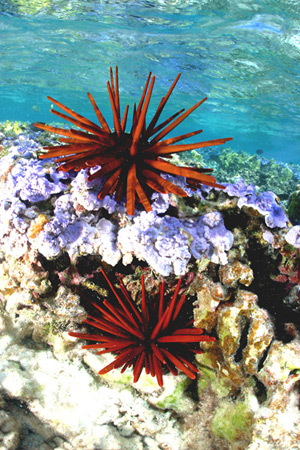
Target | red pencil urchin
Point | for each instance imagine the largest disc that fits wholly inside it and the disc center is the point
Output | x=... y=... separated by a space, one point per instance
x=131 y=162
x=156 y=336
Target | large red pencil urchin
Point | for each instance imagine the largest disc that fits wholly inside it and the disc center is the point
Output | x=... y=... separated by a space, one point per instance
x=154 y=336
x=131 y=162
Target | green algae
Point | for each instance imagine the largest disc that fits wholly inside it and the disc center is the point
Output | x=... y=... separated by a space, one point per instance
x=177 y=398
x=266 y=175
x=294 y=206
x=12 y=129
x=233 y=421
x=211 y=380
x=3 y=152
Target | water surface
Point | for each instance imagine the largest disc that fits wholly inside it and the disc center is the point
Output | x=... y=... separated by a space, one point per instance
x=243 y=55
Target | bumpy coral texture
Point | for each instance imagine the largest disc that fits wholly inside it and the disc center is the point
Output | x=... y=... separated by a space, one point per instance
x=65 y=214
x=266 y=203
x=155 y=336
x=293 y=236
x=133 y=162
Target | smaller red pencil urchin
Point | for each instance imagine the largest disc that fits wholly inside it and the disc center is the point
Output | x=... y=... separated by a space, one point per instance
x=155 y=336
x=132 y=162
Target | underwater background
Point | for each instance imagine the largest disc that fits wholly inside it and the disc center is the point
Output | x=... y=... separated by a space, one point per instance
x=154 y=277
x=243 y=55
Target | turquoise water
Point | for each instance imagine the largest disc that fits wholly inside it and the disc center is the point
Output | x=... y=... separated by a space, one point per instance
x=243 y=55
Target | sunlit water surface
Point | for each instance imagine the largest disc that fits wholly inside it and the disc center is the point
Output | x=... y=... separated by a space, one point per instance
x=243 y=55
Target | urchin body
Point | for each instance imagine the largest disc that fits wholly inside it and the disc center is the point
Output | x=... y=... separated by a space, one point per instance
x=131 y=162
x=156 y=336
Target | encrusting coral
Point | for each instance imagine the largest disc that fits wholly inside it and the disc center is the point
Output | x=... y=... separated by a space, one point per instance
x=132 y=163
x=265 y=203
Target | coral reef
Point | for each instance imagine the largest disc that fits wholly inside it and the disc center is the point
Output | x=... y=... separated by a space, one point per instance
x=264 y=174
x=238 y=257
x=115 y=419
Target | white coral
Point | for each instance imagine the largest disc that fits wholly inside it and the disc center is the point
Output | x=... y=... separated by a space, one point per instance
x=160 y=241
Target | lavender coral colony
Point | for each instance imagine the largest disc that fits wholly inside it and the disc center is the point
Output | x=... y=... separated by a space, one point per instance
x=117 y=201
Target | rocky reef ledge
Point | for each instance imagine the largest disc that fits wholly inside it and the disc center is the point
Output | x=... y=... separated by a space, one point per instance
x=238 y=256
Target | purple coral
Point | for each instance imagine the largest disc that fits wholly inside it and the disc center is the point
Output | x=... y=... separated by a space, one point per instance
x=30 y=181
x=161 y=241
x=293 y=236
x=77 y=232
x=84 y=193
x=266 y=203
x=211 y=238
x=166 y=243
x=240 y=189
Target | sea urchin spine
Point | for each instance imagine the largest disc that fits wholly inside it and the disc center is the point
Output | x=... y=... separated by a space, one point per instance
x=131 y=162
x=153 y=336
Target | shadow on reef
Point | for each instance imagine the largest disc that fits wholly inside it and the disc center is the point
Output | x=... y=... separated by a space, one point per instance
x=23 y=427
x=271 y=294
x=276 y=268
